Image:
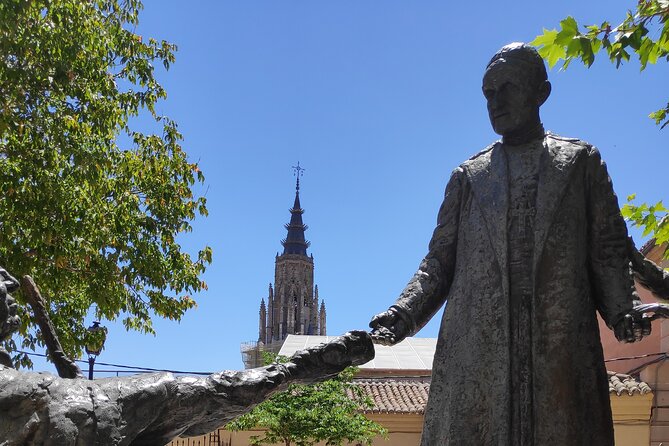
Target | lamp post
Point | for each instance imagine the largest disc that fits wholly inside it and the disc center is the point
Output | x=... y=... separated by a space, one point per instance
x=95 y=344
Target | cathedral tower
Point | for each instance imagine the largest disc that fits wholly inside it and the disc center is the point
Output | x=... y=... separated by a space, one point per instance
x=293 y=302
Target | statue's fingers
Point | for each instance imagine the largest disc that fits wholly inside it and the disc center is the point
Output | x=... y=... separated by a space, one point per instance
x=382 y=335
x=379 y=320
x=619 y=331
x=376 y=335
x=629 y=328
x=389 y=340
x=380 y=340
x=646 y=326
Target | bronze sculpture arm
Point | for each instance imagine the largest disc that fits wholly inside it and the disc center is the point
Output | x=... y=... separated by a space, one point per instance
x=648 y=273
x=152 y=409
x=634 y=325
x=427 y=290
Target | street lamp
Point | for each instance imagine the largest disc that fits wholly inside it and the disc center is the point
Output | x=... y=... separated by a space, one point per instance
x=97 y=335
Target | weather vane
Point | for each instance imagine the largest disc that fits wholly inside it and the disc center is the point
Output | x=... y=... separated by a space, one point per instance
x=298 y=172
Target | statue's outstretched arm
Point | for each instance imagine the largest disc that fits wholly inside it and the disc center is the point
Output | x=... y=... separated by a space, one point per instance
x=649 y=274
x=151 y=409
x=426 y=292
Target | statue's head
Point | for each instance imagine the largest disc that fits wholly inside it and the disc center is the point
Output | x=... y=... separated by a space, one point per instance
x=515 y=85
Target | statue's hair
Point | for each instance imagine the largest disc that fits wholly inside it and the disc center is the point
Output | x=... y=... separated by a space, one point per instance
x=524 y=54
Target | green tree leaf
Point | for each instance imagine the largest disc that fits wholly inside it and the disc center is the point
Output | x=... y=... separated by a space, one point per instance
x=644 y=33
x=304 y=415
x=94 y=207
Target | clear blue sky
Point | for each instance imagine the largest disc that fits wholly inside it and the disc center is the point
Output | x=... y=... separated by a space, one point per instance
x=379 y=101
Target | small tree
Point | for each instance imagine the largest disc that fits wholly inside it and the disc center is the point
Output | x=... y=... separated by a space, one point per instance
x=92 y=207
x=304 y=415
x=644 y=32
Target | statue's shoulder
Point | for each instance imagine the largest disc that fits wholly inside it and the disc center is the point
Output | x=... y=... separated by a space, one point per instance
x=479 y=160
x=569 y=139
x=570 y=150
x=567 y=142
x=483 y=153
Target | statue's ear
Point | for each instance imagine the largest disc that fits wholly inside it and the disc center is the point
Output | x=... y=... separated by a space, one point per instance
x=544 y=92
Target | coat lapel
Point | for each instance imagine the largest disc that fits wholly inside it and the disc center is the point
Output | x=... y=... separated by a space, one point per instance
x=556 y=164
x=487 y=174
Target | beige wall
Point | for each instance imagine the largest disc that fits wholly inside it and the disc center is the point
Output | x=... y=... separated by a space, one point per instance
x=657 y=376
x=631 y=419
x=242 y=439
x=396 y=439
x=404 y=430
x=631 y=415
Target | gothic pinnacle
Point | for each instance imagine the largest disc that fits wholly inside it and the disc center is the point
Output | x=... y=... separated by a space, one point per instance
x=295 y=242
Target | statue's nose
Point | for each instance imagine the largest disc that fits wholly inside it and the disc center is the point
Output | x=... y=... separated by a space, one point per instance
x=494 y=102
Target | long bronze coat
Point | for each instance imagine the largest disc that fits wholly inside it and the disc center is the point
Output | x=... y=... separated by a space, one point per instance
x=580 y=265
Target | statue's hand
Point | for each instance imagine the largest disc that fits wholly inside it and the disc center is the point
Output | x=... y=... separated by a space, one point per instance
x=325 y=360
x=388 y=328
x=631 y=329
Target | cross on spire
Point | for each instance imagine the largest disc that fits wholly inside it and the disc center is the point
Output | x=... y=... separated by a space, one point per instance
x=298 y=172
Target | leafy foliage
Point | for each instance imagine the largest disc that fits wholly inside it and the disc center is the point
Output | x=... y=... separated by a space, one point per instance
x=92 y=207
x=644 y=32
x=653 y=218
x=304 y=415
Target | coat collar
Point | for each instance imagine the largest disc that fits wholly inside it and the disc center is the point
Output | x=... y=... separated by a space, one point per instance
x=488 y=176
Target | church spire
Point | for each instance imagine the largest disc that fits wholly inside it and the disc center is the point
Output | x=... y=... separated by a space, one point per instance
x=295 y=242
x=293 y=304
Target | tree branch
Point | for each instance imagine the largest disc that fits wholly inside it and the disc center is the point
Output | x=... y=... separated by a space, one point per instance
x=65 y=366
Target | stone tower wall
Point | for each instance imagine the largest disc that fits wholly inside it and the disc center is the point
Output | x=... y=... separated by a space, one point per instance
x=293 y=302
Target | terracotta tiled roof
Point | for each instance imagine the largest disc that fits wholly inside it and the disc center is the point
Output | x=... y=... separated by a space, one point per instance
x=620 y=383
x=398 y=396
x=645 y=249
x=389 y=396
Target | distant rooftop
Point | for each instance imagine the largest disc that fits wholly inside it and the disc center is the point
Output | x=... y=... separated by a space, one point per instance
x=620 y=384
x=410 y=397
x=394 y=396
x=410 y=354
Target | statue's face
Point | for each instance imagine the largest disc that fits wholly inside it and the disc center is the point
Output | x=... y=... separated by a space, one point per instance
x=513 y=100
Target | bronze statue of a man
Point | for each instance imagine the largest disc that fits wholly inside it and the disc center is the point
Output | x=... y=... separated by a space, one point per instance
x=529 y=244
